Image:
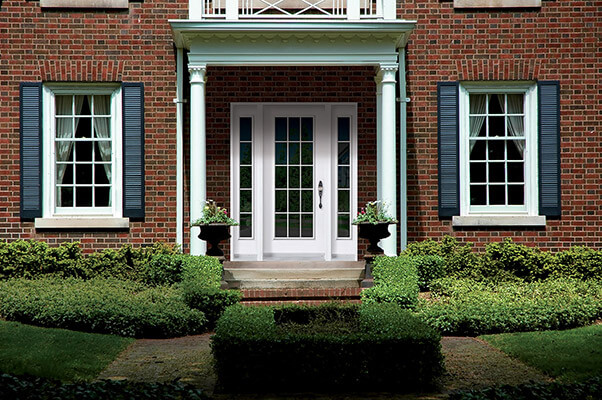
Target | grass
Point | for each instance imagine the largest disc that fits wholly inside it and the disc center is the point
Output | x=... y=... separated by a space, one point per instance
x=571 y=355
x=56 y=353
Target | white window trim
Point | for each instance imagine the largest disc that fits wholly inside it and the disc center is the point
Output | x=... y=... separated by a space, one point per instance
x=101 y=217
x=500 y=215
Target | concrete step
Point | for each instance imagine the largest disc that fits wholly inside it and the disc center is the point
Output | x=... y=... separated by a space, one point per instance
x=293 y=274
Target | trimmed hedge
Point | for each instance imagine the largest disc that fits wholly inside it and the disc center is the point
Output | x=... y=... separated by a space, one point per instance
x=328 y=348
x=29 y=387
x=395 y=281
x=99 y=305
x=588 y=390
x=160 y=264
x=467 y=307
x=509 y=261
x=210 y=301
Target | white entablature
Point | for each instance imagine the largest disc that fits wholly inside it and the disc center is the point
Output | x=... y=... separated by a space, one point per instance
x=232 y=10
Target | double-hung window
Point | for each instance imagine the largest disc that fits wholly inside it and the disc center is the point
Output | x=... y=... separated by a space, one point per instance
x=83 y=144
x=498 y=149
x=82 y=154
x=499 y=152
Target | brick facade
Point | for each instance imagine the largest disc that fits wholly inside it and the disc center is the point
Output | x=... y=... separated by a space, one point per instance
x=93 y=46
x=560 y=41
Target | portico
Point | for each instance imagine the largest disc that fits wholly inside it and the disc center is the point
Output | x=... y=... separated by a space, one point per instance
x=295 y=42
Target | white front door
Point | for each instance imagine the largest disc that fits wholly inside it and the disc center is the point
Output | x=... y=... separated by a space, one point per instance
x=293 y=181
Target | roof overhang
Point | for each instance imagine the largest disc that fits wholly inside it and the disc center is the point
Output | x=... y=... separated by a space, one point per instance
x=285 y=42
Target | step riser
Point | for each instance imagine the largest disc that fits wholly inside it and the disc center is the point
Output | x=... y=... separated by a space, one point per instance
x=293 y=284
x=309 y=274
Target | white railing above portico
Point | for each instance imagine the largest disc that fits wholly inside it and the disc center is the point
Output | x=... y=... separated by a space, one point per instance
x=232 y=10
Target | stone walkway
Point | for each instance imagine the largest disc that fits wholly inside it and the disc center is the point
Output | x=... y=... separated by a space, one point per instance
x=470 y=363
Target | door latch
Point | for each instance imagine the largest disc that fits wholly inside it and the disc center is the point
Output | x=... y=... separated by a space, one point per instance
x=320 y=190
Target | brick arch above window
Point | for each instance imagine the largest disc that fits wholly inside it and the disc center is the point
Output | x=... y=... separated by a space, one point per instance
x=82 y=71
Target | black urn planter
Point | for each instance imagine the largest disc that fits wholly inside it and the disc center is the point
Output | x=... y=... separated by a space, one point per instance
x=213 y=234
x=374 y=233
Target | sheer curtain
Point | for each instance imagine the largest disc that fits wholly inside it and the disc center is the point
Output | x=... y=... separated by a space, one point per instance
x=65 y=128
x=102 y=130
x=477 y=106
x=516 y=124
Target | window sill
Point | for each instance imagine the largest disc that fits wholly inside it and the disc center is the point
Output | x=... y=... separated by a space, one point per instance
x=507 y=220
x=82 y=223
x=496 y=3
x=84 y=3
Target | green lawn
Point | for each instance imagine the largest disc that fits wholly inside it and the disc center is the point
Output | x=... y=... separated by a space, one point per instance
x=56 y=353
x=570 y=355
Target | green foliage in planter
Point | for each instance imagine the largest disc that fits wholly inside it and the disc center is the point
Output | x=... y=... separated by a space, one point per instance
x=29 y=387
x=332 y=348
x=395 y=281
x=588 y=390
x=211 y=301
x=468 y=307
x=99 y=305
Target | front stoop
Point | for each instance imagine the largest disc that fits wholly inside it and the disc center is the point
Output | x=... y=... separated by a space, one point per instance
x=309 y=296
x=293 y=274
x=299 y=282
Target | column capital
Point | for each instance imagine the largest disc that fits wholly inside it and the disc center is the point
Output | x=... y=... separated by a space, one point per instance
x=197 y=73
x=386 y=72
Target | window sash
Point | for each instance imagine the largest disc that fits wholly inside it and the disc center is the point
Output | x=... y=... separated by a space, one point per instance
x=529 y=114
x=51 y=208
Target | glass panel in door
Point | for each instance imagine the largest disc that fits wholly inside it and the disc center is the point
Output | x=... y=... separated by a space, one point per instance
x=294 y=177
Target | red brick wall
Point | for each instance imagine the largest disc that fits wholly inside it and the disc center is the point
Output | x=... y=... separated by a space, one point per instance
x=93 y=46
x=560 y=41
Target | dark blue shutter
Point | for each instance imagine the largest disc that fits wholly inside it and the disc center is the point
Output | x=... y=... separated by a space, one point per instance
x=549 y=148
x=30 y=109
x=448 y=136
x=133 y=149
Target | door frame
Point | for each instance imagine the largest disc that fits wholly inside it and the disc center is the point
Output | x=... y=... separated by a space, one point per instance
x=253 y=248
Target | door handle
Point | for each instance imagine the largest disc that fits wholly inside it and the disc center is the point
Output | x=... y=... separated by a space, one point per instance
x=320 y=190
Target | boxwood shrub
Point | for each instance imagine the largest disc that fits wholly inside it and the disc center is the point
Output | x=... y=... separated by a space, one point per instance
x=328 y=348
x=468 y=307
x=509 y=261
x=588 y=390
x=30 y=387
x=100 y=305
x=209 y=300
x=395 y=281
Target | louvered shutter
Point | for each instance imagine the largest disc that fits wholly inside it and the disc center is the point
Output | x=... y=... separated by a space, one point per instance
x=30 y=109
x=133 y=149
x=549 y=148
x=448 y=136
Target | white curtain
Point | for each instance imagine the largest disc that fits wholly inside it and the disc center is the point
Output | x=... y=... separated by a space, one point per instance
x=102 y=129
x=516 y=124
x=65 y=128
x=477 y=106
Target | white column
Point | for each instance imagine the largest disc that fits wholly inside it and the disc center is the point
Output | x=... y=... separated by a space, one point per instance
x=379 y=134
x=388 y=157
x=198 y=154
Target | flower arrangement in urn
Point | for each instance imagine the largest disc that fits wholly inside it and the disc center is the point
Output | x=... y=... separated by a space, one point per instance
x=215 y=227
x=374 y=221
x=212 y=214
x=374 y=213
